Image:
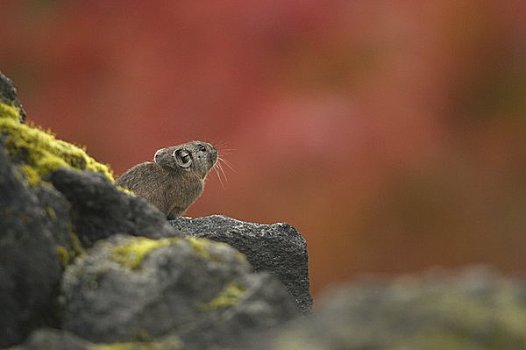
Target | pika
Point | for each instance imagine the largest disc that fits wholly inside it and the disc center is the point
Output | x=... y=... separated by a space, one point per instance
x=175 y=178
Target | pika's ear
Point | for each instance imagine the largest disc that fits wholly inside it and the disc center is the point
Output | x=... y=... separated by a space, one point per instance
x=183 y=158
x=157 y=155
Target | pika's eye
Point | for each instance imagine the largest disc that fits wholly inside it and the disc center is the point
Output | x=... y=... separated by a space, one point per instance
x=202 y=148
x=183 y=158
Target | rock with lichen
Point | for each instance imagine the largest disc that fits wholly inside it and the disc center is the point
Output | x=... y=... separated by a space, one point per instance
x=100 y=210
x=138 y=289
x=29 y=267
x=277 y=248
x=9 y=97
x=47 y=339
x=476 y=309
x=45 y=223
x=104 y=268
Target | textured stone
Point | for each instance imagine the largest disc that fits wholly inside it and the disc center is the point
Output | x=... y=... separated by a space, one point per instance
x=54 y=339
x=133 y=288
x=473 y=310
x=29 y=267
x=8 y=95
x=38 y=237
x=278 y=249
x=99 y=209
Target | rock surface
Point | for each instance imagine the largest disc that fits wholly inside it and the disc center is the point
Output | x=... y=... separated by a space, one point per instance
x=41 y=225
x=99 y=210
x=276 y=248
x=474 y=310
x=8 y=95
x=54 y=339
x=29 y=268
x=135 y=289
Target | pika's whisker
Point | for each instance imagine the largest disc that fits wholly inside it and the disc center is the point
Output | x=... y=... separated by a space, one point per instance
x=219 y=177
x=228 y=164
x=222 y=170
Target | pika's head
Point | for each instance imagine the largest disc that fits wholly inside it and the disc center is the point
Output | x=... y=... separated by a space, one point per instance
x=196 y=156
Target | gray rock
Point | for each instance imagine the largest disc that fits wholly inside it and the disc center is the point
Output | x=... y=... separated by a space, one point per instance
x=8 y=95
x=474 y=310
x=54 y=339
x=134 y=288
x=39 y=224
x=276 y=248
x=29 y=267
x=99 y=210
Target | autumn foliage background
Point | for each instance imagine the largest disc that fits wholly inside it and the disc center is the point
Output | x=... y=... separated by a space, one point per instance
x=391 y=134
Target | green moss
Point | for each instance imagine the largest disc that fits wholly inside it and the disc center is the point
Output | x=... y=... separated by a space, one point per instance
x=133 y=253
x=63 y=255
x=38 y=152
x=66 y=254
x=10 y=112
x=30 y=175
x=51 y=213
x=118 y=346
x=78 y=249
x=126 y=190
x=125 y=346
x=200 y=246
x=229 y=296
x=170 y=342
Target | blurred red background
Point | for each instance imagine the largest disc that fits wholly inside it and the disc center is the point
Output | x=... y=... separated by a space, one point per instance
x=391 y=134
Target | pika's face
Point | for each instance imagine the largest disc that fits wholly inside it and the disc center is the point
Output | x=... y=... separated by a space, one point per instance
x=196 y=156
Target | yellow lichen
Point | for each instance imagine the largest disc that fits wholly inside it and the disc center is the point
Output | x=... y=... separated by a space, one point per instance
x=125 y=346
x=126 y=190
x=11 y=112
x=51 y=213
x=120 y=346
x=171 y=342
x=38 y=152
x=200 y=246
x=63 y=255
x=66 y=254
x=77 y=247
x=133 y=253
x=30 y=174
x=229 y=296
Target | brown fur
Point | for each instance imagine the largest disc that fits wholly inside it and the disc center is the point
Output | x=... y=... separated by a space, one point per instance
x=167 y=184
